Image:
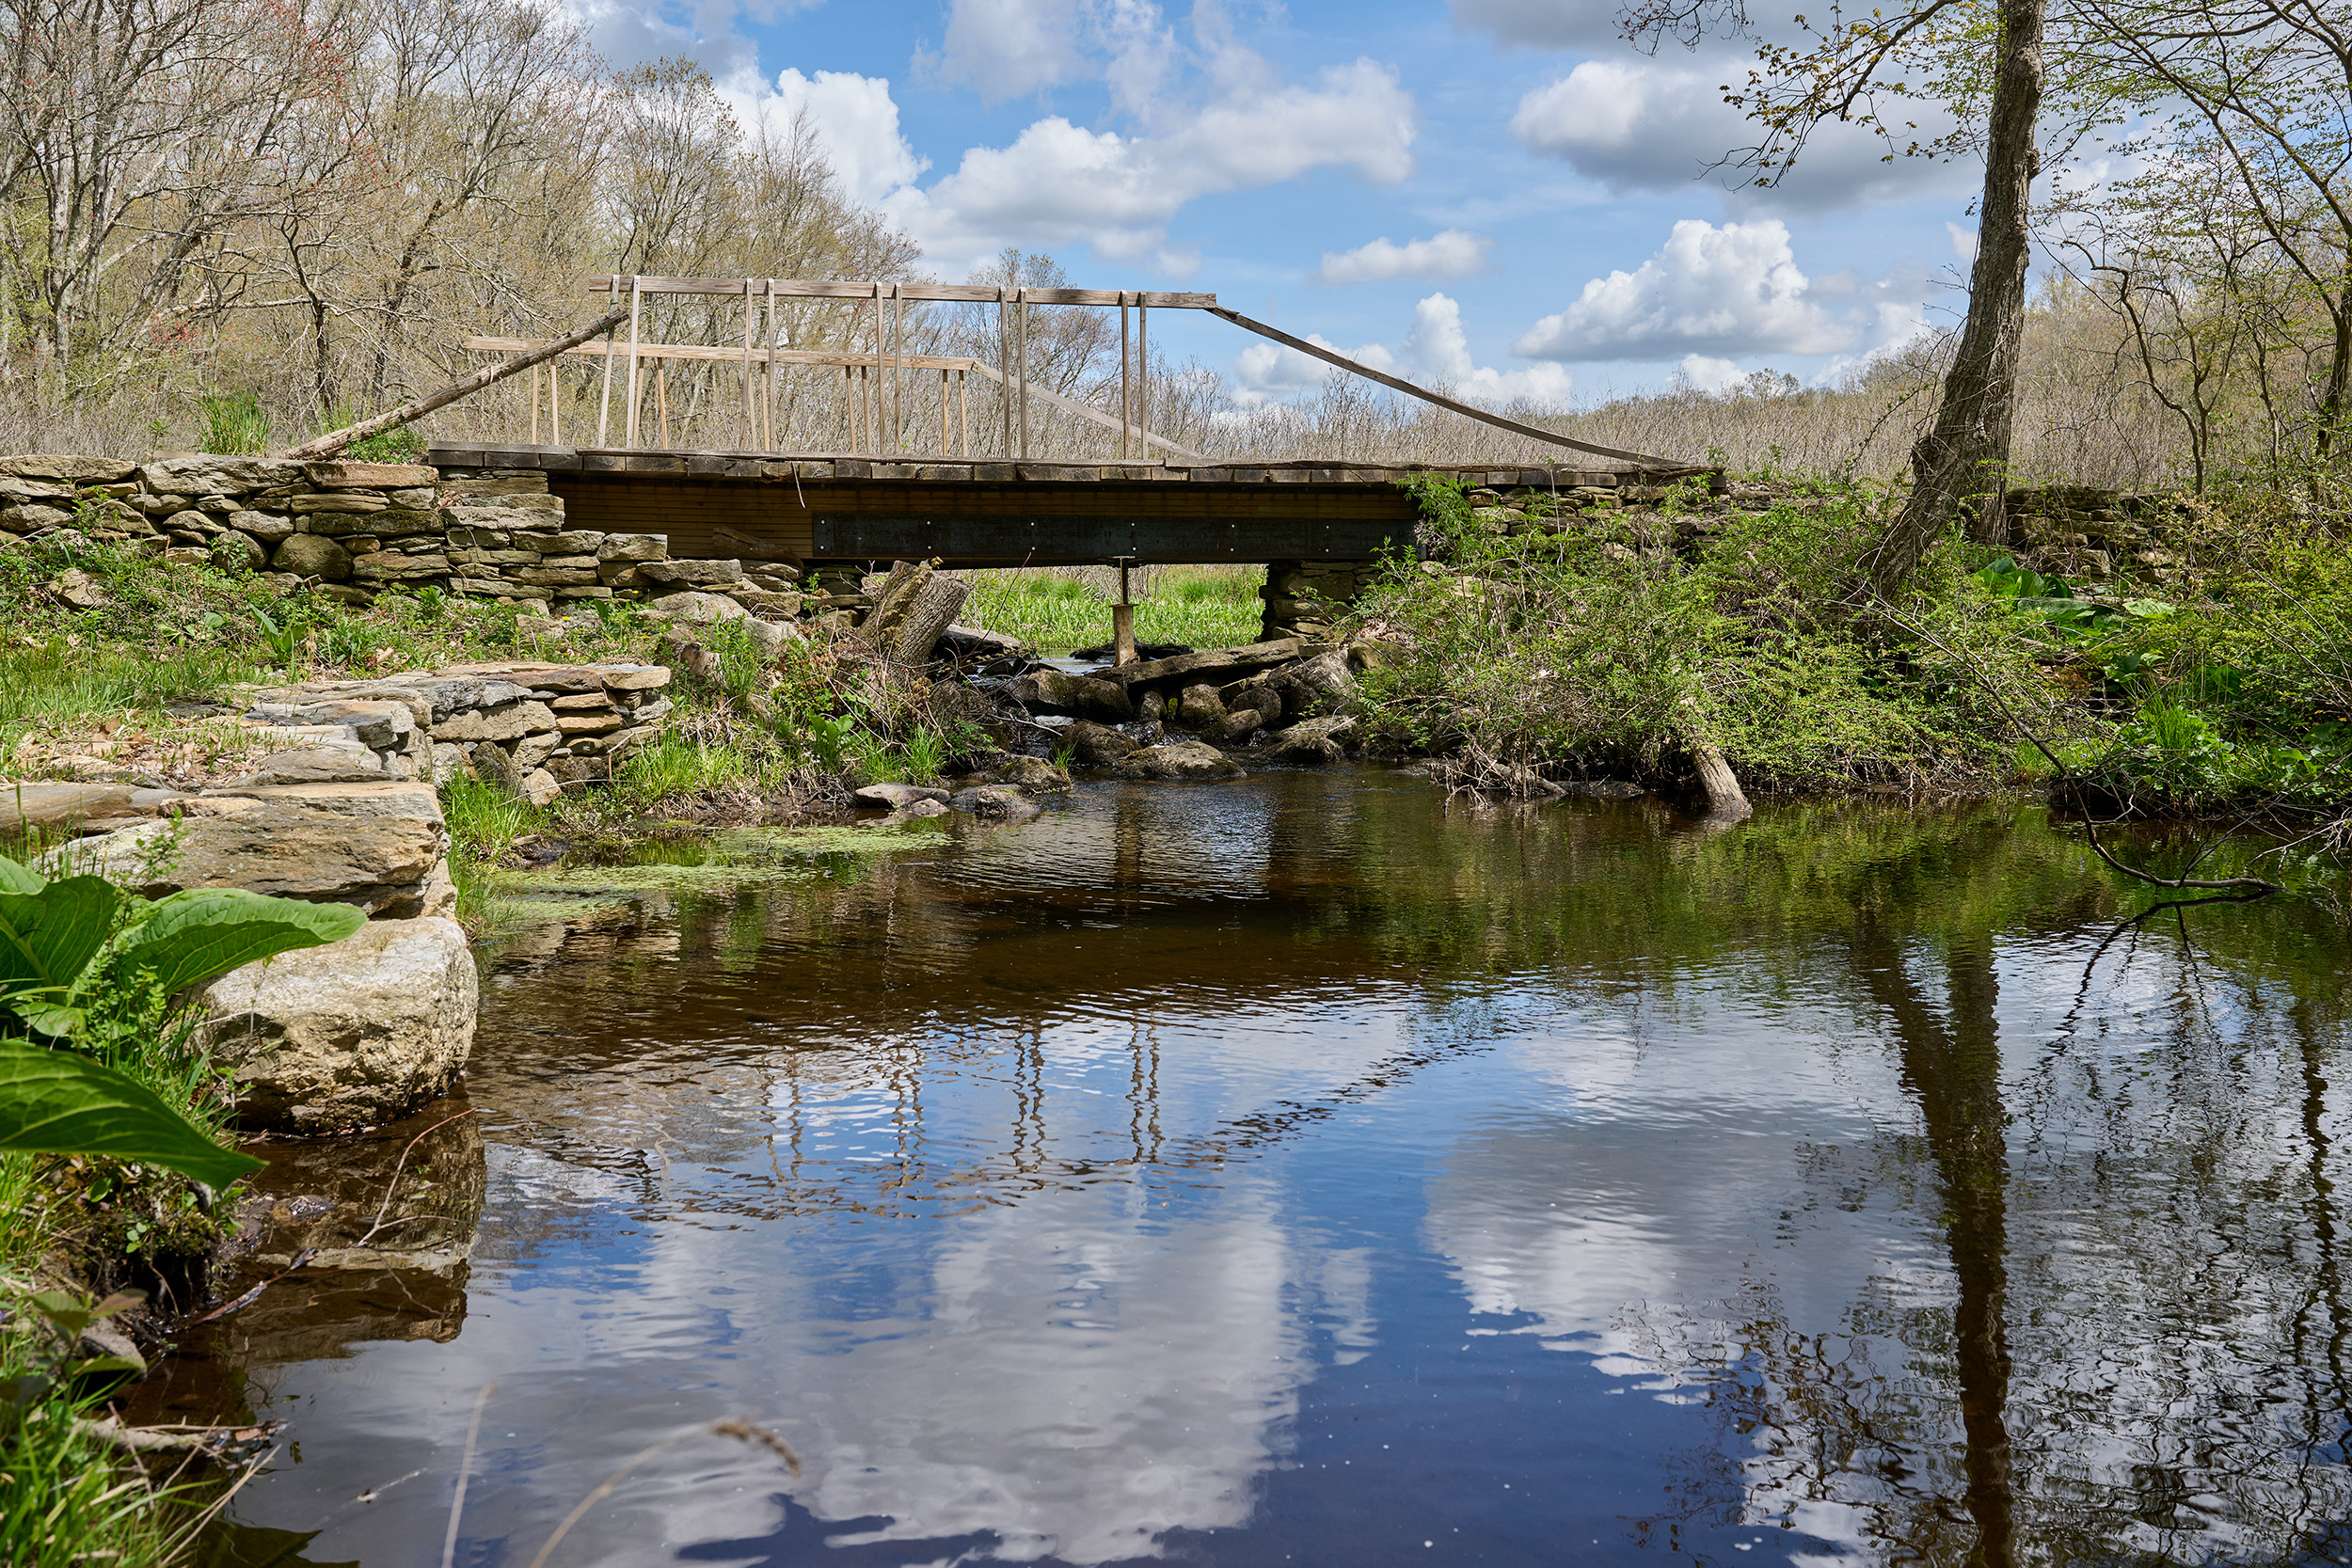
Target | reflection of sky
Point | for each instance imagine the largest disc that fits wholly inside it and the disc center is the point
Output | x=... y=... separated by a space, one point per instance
x=1232 y=1277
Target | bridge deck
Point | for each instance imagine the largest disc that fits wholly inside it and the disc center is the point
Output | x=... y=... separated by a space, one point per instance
x=969 y=514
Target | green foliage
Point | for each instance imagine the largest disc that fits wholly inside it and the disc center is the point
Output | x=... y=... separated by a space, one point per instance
x=1622 y=642
x=233 y=424
x=93 y=970
x=485 y=820
x=283 y=638
x=64 y=1495
x=1054 y=612
x=53 y=1101
x=399 y=444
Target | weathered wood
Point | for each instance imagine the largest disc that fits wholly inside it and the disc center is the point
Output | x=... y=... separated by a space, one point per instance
x=1095 y=414
x=1278 y=334
x=929 y=614
x=334 y=441
x=705 y=351
x=961 y=294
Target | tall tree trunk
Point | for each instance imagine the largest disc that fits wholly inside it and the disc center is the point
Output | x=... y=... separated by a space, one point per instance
x=1964 y=458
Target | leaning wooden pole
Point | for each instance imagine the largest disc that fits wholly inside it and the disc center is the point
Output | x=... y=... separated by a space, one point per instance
x=1532 y=432
x=334 y=441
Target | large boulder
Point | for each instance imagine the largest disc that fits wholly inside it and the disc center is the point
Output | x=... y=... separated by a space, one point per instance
x=1096 y=745
x=382 y=847
x=313 y=555
x=993 y=801
x=356 y=1032
x=1033 y=774
x=1178 y=761
x=1312 y=741
x=701 y=610
x=1234 y=728
x=1208 y=663
x=1318 y=684
x=894 y=797
x=1199 y=706
x=1085 y=696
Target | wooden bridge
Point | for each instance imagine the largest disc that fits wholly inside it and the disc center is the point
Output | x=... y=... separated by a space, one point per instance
x=909 y=474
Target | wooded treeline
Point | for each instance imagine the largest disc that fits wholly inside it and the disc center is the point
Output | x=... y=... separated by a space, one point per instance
x=237 y=220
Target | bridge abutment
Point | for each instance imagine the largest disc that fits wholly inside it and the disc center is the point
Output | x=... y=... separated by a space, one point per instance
x=1302 y=597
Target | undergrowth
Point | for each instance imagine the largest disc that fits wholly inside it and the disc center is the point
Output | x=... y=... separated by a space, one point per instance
x=1618 y=642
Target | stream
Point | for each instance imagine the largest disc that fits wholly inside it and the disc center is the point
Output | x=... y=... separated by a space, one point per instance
x=1306 y=1170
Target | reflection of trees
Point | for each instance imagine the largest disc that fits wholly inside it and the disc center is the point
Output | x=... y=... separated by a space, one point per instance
x=2131 y=1339
x=1952 y=1065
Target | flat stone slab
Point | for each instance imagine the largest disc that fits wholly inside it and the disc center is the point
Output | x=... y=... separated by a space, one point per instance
x=1208 y=661
x=51 y=805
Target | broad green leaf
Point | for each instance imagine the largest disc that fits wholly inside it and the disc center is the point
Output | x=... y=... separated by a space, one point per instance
x=16 y=878
x=194 y=936
x=55 y=1103
x=47 y=937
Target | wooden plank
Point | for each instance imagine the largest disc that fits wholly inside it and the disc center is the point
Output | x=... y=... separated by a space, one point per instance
x=701 y=351
x=965 y=294
x=1084 y=411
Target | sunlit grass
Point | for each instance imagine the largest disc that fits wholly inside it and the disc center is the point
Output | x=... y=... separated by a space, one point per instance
x=1057 y=608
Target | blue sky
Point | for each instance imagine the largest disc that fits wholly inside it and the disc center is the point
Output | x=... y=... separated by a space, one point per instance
x=1496 y=194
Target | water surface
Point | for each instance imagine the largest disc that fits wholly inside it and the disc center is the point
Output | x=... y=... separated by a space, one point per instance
x=1303 y=1171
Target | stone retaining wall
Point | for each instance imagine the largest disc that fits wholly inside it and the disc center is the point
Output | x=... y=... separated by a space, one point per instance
x=531 y=726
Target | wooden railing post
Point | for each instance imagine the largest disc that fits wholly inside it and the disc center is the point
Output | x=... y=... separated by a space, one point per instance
x=1021 y=358
x=635 y=294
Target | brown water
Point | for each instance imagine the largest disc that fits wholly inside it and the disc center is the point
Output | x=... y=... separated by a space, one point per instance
x=1299 y=1170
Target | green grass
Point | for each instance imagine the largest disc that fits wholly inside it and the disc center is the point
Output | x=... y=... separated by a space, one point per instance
x=1056 y=609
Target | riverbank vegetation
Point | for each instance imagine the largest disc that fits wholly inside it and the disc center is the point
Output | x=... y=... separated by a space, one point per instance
x=1606 y=642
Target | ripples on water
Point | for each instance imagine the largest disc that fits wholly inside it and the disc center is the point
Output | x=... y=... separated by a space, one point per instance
x=1299 y=1171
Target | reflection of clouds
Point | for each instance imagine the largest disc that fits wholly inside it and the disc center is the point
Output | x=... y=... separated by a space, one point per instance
x=1692 y=1192
x=1085 y=1381
x=1663 y=1169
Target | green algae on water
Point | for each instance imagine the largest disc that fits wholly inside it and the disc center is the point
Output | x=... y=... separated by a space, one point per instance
x=740 y=857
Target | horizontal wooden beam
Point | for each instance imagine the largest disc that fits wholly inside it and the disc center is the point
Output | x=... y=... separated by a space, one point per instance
x=822 y=466
x=959 y=294
x=737 y=357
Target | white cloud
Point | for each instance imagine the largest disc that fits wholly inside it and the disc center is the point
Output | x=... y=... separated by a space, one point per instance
x=1438 y=351
x=1734 y=290
x=1646 y=125
x=1455 y=253
x=1711 y=375
x=1010 y=48
x=1963 y=240
x=1435 y=353
x=858 y=122
x=1060 y=185
x=1268 y=371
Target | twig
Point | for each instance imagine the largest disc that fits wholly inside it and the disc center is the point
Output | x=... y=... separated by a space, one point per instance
x=393 y=1185
x=604 y=1490
x=735 y=1427
x=246 y=1300
x=2245 y=887
x=465 y=1472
